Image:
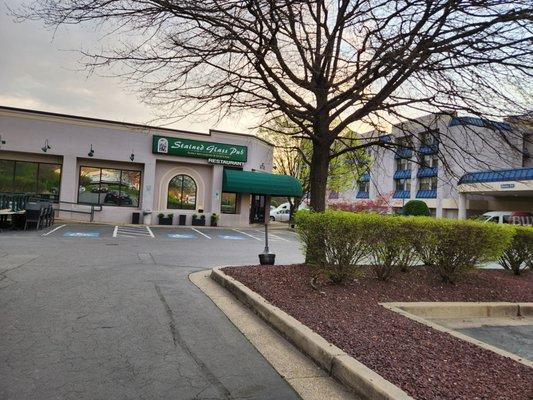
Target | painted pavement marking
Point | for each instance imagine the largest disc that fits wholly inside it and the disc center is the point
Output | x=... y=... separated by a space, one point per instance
x=247 y=234
x=181 y=235
x=81 y=234
x=132 y=231
x=201 y=233
x=53 y=230
x=231 y=237
x=150 y=231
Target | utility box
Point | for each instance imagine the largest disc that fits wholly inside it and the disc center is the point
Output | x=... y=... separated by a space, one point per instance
x=135 y=217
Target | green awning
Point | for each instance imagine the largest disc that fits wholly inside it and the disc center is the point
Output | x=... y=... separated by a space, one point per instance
x=236 y=181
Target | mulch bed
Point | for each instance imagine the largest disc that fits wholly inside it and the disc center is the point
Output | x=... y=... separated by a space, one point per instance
x=425 y=363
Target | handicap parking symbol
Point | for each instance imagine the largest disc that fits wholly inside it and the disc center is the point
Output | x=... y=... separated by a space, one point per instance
x=231 y=237
x=81 y=234
x=181 y=235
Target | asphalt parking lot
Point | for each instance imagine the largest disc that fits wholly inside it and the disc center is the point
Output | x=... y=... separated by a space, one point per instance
x=107 y=312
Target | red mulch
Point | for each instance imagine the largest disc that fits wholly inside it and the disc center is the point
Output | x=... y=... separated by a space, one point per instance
x=425 y=363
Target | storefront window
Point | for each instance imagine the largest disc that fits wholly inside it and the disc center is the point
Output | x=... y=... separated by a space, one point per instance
x=229 y=203
x=109 y=186
x=181 y=193
x=39 y=179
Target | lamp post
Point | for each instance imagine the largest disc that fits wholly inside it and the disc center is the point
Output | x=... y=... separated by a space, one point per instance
x=266 y=258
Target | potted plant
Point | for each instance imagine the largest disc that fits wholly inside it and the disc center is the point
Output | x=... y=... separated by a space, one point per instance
x=165 y=220
x=214 y=219
x=198 y=221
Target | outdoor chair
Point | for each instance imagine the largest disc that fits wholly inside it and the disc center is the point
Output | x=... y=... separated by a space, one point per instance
x=34 y=214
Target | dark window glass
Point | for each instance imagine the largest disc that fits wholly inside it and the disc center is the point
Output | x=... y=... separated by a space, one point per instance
x=403 y=185
x=364 y=186
x=403 y=164
x=48 y=181
x=429 y=161
x=109 y=186
x=181 y=193
x=25 y=177
x=229 y=203
x=428 y=183
x=7 y=170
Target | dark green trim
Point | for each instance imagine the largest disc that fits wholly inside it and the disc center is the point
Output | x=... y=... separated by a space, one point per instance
x=261 y=183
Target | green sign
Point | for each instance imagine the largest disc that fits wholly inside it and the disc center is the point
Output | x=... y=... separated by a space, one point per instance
x=214 y=152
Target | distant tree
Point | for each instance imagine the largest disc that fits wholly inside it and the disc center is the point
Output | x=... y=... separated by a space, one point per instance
x=322 y=64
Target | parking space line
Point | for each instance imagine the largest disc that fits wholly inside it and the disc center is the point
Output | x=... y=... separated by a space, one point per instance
x=201 y=233
x=247 y=234
x=115 y=231
x=150 y=231
x=279 y=237
x=53 y=230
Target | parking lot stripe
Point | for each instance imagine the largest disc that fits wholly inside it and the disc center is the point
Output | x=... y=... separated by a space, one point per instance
x=53 y=230
x=247 y=234
x=201 y=233
x=150 y=231
x=115 y=231
x=279 y=237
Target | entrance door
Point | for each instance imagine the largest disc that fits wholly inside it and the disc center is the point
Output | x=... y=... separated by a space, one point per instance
x=257 y=209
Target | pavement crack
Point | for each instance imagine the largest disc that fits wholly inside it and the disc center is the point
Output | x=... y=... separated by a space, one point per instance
x=178 y=341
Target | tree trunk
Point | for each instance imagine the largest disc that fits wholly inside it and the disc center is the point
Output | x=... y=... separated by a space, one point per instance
x=318 y=176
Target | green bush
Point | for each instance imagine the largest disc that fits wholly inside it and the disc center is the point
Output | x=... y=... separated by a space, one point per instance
x=519 y=254
x=415 y=208
x=334 y=242
x=452 y=247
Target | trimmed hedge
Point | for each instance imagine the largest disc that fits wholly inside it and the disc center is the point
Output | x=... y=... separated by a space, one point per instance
x=338 y=243
x=415 y=208
x=519 y=254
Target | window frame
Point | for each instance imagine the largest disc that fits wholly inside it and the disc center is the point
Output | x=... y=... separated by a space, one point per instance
x=195 y=192
x=120 y=186
x=60 y=164
x=363 y=186
x=406 y=185
x=406 y=161
x=237 y=203
x=431 y=180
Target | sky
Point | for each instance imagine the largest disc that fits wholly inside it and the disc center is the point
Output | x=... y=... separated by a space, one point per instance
x=41 y=69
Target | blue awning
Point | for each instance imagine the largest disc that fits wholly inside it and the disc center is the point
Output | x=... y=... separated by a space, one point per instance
x=362 y=195
x=426 y=172
x=401 y=194
x=429 y=149
x=365 y=177
x=402 y=174
x=502 y=175
x=481 y=122
x=403 y=153
x=427 y=194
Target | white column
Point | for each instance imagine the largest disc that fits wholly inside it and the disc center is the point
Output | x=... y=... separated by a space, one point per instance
x=69 y=179
x=216 y=190
x=462 y=206
x=440 y=195
x=148 y=191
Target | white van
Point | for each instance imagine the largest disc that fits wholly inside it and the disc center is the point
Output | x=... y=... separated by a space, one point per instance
x=508 y=217
x=283 y=212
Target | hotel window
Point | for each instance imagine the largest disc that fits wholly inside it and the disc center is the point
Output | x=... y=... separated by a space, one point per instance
x=228 y=204
x=427 y=183
x=181 y=193
x=402 y=185
x=403 y=164
x=109 y=186
x=428 y=138
x=363 y=186
x=429 y=161
x=40 y=179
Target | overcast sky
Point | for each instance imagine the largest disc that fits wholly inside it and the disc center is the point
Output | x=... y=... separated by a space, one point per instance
x=40 y=69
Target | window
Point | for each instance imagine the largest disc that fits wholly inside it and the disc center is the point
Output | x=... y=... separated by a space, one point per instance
x=40 y=179
x=363 y=186
x=428 y=183
x=403 y=164
x=229 y=203
x=428 y=138
x=181 y=193
x=403 y=185
x=109 y=186
x=429 y=161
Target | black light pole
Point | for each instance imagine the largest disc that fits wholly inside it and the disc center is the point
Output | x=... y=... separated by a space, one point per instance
x=265 y=258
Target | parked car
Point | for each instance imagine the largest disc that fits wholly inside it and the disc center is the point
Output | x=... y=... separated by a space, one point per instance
x=118 y=199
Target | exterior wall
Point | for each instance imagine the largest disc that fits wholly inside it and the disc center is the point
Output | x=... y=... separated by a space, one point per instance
x=485 y=152
x=70 y=139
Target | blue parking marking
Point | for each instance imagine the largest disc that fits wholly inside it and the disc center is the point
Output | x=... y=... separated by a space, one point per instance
x=81 y=234
x=231 y=237
x=181 y=235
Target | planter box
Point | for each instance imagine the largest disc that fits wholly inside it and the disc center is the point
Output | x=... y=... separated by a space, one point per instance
x=165 y=221
x=198 y=222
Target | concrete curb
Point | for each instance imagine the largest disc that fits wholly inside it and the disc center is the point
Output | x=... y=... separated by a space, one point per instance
x=359 y=378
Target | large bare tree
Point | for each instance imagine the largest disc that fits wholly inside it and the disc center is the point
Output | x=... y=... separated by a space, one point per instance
x=323 y=64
